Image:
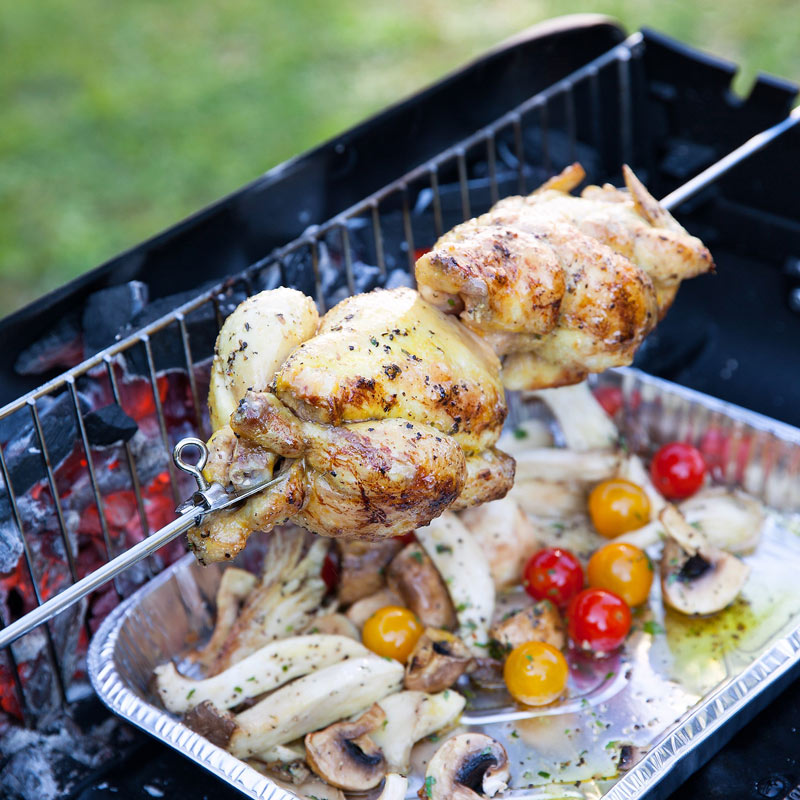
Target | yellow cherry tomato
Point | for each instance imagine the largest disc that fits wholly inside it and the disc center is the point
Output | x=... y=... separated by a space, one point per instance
x=617 y=506
x=536 y=673
x=392 y=632
x=623 y=569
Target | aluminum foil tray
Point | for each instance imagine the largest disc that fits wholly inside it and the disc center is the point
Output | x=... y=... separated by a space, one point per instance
x=681 y=689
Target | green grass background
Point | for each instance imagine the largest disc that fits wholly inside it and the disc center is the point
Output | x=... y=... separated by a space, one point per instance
x=120 y=118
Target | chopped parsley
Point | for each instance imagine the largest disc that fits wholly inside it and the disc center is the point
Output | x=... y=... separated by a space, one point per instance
x=652 y=627
x=444 y=548
x=429 y=782
x=237 y=689
x=191 y=692
x=544 y=774
x=417 y=556
x=514 y=735
x=520 y=433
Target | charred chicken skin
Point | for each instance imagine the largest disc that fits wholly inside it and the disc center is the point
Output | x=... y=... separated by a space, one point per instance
x=560 y=285
x=385 y=413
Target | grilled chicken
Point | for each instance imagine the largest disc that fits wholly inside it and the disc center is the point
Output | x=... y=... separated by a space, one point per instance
x=383 y=419
x=386 y=412
x=562 y=286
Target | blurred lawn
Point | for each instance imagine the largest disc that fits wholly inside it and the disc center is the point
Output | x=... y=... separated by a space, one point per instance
x=121 y=118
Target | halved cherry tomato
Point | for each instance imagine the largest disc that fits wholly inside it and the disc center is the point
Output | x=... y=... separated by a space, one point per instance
x=598 y=620
x=536 y=673
x=553 y=574
x=617 y=506
x=623 y=569
x=678 y=470
x=392 y=632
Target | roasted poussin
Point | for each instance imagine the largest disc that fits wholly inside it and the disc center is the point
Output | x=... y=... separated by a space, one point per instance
x=383 y=419
x=563 y=286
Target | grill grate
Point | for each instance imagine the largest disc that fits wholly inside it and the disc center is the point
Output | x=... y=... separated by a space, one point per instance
x=590 y=116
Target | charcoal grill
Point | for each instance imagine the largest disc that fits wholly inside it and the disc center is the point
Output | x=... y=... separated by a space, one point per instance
x=82 y=447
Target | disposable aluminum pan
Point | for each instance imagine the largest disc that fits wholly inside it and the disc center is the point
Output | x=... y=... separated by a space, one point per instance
x=709 y=675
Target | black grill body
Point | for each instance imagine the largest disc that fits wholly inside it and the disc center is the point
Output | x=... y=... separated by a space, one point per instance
x=669 y=113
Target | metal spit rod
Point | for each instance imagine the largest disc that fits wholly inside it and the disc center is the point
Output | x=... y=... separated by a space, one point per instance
x=192 y=513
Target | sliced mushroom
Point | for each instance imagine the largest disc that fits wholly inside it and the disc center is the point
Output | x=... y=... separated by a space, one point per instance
x=696 y=578
x=234 y=587
x=394 y=787
x=584 y=423
x=343 y=754
x=334 y=625
x=559 y=464
x=731 y=520
x=268 y=668
x=410 y=716
x=313 y=702
x=361 y=611
x=413 y=576
x=506 y=538
x=439 y=659
x=539 y=623
x=466 y=767
x=361 y=567
x=458 y=557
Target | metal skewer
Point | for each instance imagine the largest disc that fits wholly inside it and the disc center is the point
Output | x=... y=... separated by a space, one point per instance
x=207 y=499
x=210 y=498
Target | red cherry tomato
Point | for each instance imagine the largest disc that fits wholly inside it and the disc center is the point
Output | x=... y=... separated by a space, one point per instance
x=598 y=620
x=420 y=251
x=553 y=574
x=678 y=470
x=330 y=569
x=610 y=397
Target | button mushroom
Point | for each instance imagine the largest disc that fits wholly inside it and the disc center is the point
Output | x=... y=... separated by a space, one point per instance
x=439 y=659
x=695 y=577
x=361 y=567
x=414 y=577
x=394 y=788
x=466 y=767
x=539 y=623
x=343 y=754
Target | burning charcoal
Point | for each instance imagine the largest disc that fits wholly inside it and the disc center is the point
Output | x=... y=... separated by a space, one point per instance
x=108 y=425
x=61 y=346
x=10 y=538
x=167 y=344
x=60 y=430
x=58 y=758
x=15 y=424
x=107 y=312
x=398 y=277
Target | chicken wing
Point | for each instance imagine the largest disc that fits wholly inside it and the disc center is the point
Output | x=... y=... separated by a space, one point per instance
x=562 y=286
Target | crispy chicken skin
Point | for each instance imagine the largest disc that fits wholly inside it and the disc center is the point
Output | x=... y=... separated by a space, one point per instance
x=390 y=355
x=559 y=285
